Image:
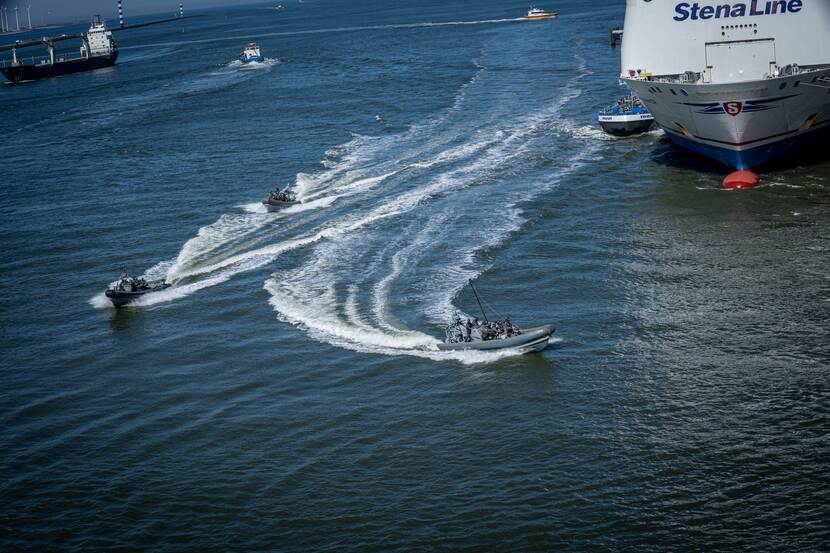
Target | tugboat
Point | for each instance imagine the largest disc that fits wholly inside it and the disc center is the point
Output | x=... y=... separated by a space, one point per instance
x=473 y=334
x=626 y=117
x=279 y=199
x=98 y=50
x=537 y=13
x=127 y=289
x=251 y=54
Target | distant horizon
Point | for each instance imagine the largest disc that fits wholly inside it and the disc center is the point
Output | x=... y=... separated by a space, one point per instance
x=56 y=12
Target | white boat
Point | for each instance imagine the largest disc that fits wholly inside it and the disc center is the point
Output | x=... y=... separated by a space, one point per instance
x=251 y=54
x=744 y=83
x=625 y=117
x=537 y=13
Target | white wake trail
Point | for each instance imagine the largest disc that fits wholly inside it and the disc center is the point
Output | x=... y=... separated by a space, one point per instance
x=308 y=296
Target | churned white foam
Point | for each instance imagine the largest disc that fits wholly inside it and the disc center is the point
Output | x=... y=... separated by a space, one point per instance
x=380 y=297
x=259 y=207
x=591 y=132
x=252 y=65
x=229 y=229
x=255 y=207
x=100 y=301
x=355 y=261
x=307 y=297
x=323 y=324
x=350 y=188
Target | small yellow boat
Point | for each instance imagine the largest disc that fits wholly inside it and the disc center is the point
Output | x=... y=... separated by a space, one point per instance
x=537 y=13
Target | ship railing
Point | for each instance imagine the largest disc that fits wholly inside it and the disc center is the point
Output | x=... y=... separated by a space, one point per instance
x=689 y=77
x=22 y=61
x=667 y=79
x=42 y=60
x=793 y=69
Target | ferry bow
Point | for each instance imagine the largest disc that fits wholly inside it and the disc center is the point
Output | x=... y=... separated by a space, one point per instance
x=744 y=83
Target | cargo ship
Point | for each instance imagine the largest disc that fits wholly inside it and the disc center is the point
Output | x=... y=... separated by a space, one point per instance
x=98 y=50
x=743 y=83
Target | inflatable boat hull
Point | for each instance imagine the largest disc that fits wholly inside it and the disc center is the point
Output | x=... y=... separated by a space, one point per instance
x=277 y=205
x=531 y=339
x=120 y=298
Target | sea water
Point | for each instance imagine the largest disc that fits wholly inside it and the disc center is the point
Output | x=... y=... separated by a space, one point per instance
x=287 y=394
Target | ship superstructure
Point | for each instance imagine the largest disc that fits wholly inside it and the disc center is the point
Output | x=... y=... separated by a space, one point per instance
x=745 y=83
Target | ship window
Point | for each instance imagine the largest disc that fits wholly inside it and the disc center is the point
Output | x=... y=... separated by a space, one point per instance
x=673 y=92
x=783 y=86
x=683 y=92
x=658 y=89
x=796 y=84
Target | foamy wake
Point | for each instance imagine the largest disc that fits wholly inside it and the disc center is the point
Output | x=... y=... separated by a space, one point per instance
x=239 y=65
x=312 y=297
x=397 y=220
x=363 y=338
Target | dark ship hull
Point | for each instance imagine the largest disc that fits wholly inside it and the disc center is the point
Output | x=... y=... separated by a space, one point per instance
x=120 y=298
x=20 y=73
x=627 y=128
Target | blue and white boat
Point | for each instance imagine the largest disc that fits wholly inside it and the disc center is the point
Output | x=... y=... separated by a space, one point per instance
x=251 y=54
x=743 y=82
x=625 y=117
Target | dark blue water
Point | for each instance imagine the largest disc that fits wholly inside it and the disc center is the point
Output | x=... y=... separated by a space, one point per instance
x=286 y=394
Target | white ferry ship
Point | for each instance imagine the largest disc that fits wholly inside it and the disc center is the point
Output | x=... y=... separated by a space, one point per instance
x=745 y=83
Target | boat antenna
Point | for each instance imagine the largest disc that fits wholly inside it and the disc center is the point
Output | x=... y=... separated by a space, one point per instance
x=479 y=301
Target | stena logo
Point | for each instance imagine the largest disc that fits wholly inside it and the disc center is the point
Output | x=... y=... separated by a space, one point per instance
x=733 y=108
x=695 y=11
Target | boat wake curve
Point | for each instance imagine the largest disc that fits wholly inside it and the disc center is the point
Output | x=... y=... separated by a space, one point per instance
x=349 y=288
x=384 y=239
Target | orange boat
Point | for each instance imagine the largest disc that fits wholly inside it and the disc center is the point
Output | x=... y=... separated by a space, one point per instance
x=537 y=13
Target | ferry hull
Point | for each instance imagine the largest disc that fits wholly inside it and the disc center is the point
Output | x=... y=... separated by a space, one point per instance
x=743 y=125
x=21 y=73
